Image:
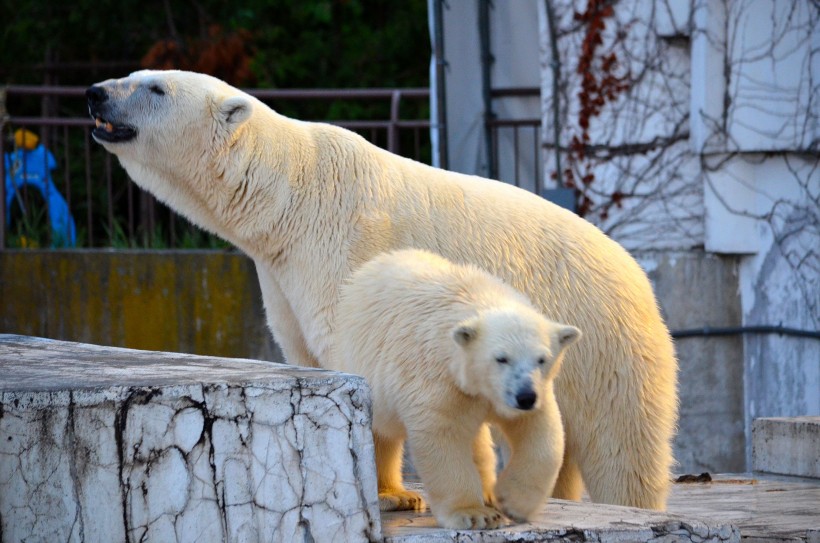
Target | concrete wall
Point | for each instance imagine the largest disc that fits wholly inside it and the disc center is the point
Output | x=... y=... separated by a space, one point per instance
x=198 y=302
x=697 y=290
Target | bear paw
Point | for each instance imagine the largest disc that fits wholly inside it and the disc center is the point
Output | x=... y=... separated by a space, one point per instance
x=473 y=518
x=515 y=506
x=489 y=499
x=401 y=500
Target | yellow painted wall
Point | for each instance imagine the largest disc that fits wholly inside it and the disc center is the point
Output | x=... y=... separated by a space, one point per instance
x=199 y=302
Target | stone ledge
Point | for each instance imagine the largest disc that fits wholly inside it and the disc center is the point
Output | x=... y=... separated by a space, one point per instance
x=108 y=444
x=730 y=507
x=564 y=521
x=788 y=446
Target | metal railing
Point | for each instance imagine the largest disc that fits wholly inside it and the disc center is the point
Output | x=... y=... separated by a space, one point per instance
x=515 y=144
x=111 y=211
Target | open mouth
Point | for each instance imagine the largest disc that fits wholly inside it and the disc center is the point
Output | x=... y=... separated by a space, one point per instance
x=111 y=133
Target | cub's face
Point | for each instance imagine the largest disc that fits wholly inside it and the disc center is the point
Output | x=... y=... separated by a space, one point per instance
x=510 y=355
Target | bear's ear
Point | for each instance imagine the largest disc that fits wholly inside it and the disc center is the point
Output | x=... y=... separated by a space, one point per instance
x=567 y=335
x=235 y=110
x=465 y=332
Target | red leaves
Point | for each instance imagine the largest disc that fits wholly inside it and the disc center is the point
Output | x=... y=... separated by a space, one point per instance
x=600 y=84
x=226 y=55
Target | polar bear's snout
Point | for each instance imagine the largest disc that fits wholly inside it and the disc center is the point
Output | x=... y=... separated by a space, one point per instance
x=106 y=129
x=525 y=399
x=96 y=95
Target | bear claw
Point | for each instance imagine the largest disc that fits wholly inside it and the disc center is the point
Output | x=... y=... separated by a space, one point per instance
x=401 y=500
x=513 y=511
x=474 y=518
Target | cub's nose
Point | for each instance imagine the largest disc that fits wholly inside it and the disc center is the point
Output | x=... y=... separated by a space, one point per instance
x=526 y=399
x=96 y=95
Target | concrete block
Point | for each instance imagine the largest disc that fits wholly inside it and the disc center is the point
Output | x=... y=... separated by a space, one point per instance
x=109 y=444
x=789 y=446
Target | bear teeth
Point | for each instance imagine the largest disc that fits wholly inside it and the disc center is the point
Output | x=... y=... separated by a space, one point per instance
x=108 y=126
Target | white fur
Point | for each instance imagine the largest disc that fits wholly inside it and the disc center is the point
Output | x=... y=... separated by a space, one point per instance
x=428 y=336
x=310 y=202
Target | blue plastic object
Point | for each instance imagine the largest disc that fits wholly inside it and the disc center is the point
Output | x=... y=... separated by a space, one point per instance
x=33 y=169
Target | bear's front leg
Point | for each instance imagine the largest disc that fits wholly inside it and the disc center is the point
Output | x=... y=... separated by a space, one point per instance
x=443 y=455
x=392 y=494
x=282 y=321
x=537 y=443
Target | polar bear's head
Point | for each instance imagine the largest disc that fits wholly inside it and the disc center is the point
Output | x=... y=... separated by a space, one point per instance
x=159 y=115
x=175 y=133
x=510 y=356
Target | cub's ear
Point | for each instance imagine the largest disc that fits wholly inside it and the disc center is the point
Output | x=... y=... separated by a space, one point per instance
x=567 y=335
x=235 y=110
x=466 y=332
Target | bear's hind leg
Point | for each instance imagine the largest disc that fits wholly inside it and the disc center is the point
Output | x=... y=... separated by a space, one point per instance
x=569 y=485
x=626 y=476
x=392 y=494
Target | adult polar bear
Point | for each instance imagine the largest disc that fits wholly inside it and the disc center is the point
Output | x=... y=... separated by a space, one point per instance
x=310 y=202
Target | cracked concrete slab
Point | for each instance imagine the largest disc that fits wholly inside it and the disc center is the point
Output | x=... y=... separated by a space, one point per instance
x=565 y=521
x=751 y=509
x=765 y=508
x=108 y=444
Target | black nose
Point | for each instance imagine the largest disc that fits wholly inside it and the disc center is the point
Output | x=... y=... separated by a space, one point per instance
x=96 y=95
x=526 y=399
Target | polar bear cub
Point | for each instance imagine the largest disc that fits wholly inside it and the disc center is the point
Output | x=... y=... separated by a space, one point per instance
x=448 y=349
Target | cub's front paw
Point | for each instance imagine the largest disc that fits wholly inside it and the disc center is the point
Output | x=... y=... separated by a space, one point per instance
x=473 y=518
x=401 y=500
x=519 y=506
x=489 y=499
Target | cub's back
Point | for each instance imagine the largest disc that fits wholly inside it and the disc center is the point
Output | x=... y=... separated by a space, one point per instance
x=400 y=309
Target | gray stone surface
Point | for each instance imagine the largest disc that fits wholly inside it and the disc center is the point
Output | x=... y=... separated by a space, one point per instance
x=696 y=290
x=765 y=509
x=568 y=521
x=106 y=444
x=790 y=446
x=729 y=508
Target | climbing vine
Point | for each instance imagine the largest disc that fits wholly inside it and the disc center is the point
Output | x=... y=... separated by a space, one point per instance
x=603 y=80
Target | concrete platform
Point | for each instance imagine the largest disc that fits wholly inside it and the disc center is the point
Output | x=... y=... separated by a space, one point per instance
x=111 y=445
x=730 y=508
x=763 y=507
x=566 y=521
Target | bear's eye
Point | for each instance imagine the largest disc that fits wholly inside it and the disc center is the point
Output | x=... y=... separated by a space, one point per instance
x=156 y=89
x=501 y=359
x=541 y=361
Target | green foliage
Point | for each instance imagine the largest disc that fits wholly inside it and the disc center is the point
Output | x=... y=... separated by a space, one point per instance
x=309 y=43
x=28 y=228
